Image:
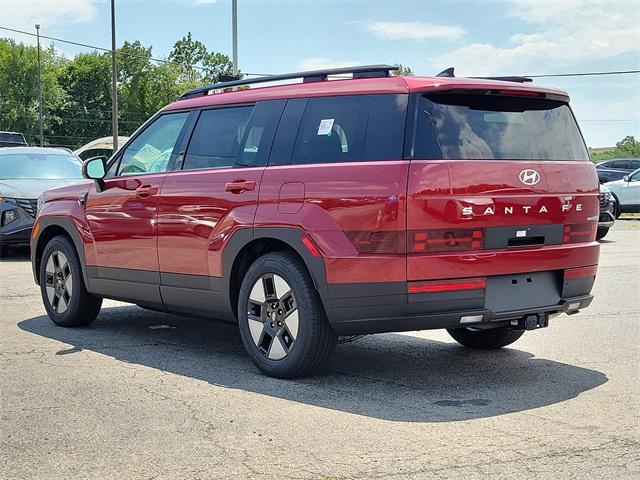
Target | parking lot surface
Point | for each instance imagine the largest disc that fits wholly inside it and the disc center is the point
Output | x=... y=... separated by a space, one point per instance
x=147 y=395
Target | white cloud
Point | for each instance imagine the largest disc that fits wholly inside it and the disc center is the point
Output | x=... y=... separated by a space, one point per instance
x=565 y=32
x=414 y=30
x=23 y=15
x=320 y=63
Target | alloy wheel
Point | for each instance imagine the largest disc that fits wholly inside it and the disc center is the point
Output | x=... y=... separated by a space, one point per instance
x=58 y=281
x=272 y=314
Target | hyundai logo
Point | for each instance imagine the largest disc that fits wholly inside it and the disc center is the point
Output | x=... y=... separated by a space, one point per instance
x=529 y=177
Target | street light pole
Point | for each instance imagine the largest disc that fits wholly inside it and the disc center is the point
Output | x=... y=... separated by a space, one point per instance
x=40 y=88
x=234 y=27
x=114 y=78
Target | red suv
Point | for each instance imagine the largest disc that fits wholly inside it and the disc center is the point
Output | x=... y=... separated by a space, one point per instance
x=314 y=211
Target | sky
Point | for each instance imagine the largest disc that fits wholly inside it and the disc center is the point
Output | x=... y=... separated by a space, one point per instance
x=491 y=37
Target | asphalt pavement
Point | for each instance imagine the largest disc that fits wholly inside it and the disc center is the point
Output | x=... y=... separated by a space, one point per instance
x=144 y=395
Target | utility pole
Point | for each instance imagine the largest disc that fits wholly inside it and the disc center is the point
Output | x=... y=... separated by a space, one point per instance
x=234 y=28
x=40 y=88
x=114 y=79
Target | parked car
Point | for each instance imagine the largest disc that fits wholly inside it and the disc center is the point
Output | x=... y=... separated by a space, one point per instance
x=607 y=212
x=616 y=168
x=99 y=147
x=26 y=172
x=12 y=139
x=627 y=193
x=328 y=208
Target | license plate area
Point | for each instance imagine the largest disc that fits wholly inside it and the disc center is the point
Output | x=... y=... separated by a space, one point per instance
x=505 y=293
x=523 y=236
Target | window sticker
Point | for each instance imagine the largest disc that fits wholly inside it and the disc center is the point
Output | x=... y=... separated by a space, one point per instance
x=326 y=125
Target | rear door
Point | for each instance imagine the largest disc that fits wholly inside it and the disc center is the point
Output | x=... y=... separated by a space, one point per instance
x=214 y=195
x=490 y=173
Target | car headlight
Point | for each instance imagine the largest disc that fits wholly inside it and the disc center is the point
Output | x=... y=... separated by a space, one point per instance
x=8 y=217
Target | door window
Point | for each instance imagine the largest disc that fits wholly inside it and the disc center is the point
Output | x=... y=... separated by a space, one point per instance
x=151 y=151
x=217 y=137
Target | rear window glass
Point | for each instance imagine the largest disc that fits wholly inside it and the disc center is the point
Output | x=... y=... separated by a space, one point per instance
x=451 y=126
x=217 y=137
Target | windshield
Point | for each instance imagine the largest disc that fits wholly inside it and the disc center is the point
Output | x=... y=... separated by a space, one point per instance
x=490 y=127
x=39 y=166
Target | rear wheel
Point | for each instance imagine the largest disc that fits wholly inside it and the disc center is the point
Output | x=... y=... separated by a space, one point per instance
x=62 y=288
x=489 y=339
x=282 y=323
x=602 y=232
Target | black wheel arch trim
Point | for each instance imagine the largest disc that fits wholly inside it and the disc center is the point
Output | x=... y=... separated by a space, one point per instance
x=290 y=236
x=66 y=224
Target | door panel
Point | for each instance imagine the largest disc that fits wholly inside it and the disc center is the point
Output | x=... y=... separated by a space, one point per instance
x=122 y=219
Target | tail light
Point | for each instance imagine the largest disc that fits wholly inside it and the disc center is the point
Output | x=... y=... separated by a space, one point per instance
x=452 y=240
x=579 y=233
x=447 y=285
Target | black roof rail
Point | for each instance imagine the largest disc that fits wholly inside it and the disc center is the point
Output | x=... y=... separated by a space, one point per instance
x=365 y=71
x=512 y=78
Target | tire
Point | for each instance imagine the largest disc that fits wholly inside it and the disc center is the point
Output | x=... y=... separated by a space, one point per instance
x=64 y=295
x=282 y=323
x=602 y=232
x=490 y=339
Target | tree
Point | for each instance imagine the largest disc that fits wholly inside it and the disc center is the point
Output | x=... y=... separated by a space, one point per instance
x=403 y=71
x=196 y=65
x=19 y=109
x=628 y=147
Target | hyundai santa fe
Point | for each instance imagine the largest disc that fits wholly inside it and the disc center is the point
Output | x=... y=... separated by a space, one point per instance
x=311 y=212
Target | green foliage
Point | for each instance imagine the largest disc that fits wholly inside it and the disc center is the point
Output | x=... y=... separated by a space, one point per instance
x=77 y=91
x=628 y=147
x=403 y=71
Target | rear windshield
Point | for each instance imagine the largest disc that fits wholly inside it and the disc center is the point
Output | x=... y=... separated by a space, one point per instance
x=490 y=127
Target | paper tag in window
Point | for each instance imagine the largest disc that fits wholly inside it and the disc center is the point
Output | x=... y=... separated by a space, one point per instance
x=325 y=126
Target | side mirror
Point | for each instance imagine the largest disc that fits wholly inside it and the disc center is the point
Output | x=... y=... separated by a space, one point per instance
x=626 y=178
x=95 y=168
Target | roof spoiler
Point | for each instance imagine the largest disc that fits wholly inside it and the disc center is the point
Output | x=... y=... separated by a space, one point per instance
x=365 y=71
x=448 y=73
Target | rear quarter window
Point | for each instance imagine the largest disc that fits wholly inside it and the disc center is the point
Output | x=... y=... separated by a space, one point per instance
x=341 y=129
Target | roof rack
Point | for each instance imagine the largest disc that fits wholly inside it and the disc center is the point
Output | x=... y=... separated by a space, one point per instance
x=366 y=71
x=448 y=73
x=512 y=78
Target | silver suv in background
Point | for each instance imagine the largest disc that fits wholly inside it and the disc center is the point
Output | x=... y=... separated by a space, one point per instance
x=25 y=173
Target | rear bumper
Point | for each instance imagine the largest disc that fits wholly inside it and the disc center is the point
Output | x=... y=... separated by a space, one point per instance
x=375 y=308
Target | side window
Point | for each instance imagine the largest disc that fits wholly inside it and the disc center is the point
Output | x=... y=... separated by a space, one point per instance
x=620 y=164
x=217 y=137
x=635 y=164
x=151 y=151
x=332 y=130
x=635 y=177
x=258 y=136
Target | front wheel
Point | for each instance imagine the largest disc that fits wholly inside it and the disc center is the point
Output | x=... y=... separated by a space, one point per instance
x=282 y=322
x=62 y=288
x=489 y=339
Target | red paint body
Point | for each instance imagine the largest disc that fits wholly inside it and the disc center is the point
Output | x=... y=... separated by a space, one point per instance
x=184 y=225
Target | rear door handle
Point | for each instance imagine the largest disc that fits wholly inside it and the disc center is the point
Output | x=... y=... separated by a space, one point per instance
x=145 y=191
x=240 y=186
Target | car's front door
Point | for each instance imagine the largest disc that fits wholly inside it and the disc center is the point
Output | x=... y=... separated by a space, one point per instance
x=630 y=194
x=122 y=213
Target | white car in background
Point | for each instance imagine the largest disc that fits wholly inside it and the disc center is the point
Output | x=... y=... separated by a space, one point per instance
x=626 y=193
